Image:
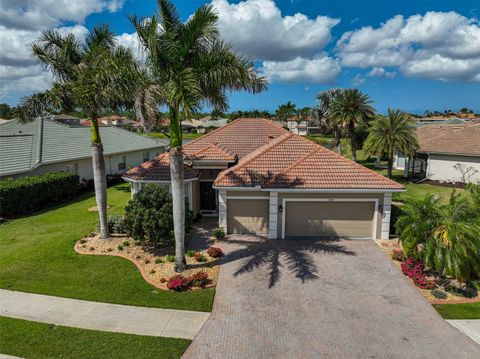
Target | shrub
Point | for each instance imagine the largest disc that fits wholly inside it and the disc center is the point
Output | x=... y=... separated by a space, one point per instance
x=191 y=252
x=219 y=233
x=398 y=255
x=83 y=241
x=92 y=248
x=149 y=216
x=153 y=271
x=147 y=261
x=162 y=280
x=30 y=193
x=109 y=249
x=126 y=243
x=199 y=279
x=120 y=247
x=413 y=269
x=158 y=261
x=214 y=252
x=178 y=283
x=171 y=258
x=439 y=294
x=200 y=257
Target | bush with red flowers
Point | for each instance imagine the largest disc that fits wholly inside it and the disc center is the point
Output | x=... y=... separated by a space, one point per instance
x=214 y=252
x=199 y=279
x=398 y=255
x=200 y=257
x=413 y=269
x=178 y=283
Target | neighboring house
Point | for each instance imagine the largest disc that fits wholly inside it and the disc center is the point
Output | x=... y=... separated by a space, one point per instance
x=447 y=153
x=67 y=120
x=119 y=121
x=260 y=179
x=44 y=146
x=3 y=121
x=297 y=126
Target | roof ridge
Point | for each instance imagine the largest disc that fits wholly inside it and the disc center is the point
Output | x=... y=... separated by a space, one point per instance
x=253 y=155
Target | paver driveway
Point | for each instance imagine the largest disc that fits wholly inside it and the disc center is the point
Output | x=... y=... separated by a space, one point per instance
x=320 y=299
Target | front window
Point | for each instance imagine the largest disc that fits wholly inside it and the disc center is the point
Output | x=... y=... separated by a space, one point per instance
x=122 y=164
x=146 y=156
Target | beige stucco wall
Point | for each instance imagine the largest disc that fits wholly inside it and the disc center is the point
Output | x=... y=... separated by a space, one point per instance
x=441 y=168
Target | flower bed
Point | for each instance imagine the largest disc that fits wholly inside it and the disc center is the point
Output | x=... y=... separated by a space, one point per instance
x=156 y=267
x=434 y=287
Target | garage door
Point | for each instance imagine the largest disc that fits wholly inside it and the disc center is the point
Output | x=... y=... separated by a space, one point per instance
x=247 y=216
x=329 y=219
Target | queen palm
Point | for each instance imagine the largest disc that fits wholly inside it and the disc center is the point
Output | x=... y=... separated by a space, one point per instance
x=350 y=108
x=285 y=111
x=192 y=67
x=389 y=135
x=91 y=77
x=326 y=100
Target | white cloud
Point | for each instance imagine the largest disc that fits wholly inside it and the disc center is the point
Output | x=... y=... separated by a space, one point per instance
x=437 y=45
x=132 y=42
x=258 y=29
x=358 y=80
x=320 y=69
x=381 y=72
x=40 y=14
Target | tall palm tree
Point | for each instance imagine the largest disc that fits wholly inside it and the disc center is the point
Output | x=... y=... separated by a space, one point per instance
x=352 y=107
x=389 y=135
x=92 y=77
x=193 y=67
x=285 y=111
x=325 y=102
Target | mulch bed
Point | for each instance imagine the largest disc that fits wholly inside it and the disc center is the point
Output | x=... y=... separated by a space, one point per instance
x=144 y=258
x=389 y=245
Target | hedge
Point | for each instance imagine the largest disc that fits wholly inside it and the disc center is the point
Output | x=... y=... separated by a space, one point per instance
x=27 y=194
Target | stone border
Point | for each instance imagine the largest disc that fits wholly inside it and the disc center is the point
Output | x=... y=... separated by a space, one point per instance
x=162 y=286
x=455 y=301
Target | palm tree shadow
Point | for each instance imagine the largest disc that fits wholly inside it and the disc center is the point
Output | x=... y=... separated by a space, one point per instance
x=295 y=256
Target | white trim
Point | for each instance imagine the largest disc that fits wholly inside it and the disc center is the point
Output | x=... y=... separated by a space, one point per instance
x=273 y=216
x=206 y=180
x=375 y=214
x=236 y=188
x=248 y=197
x=307 y=190
x=126 y=179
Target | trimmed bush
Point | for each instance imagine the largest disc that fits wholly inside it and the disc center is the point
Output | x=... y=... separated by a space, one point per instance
x=27 y=194
x=191 y=252
x=214 y=252
x=178 y=283
x=219 y=233
x=199 y=279
x=116 y=224
x=149 y=216
x=200 y=257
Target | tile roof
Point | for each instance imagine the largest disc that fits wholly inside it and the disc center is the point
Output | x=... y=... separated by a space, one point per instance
x=463 y=139
x=213 y=152
x=296 y=163
x=157 y=169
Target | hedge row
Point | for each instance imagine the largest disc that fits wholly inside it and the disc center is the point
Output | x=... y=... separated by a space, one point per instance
x=27 y=194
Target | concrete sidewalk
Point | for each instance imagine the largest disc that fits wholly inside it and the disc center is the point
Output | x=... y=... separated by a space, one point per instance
x=101 y=316
x=470 y=327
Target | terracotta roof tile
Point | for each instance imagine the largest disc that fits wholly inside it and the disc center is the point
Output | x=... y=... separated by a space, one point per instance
x=455 y=139
x=213 y=152
x=157 y=169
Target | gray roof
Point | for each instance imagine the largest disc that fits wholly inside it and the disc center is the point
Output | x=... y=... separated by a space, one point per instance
x=19 y=144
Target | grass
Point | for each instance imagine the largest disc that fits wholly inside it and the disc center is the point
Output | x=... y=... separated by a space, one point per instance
x=459 y=311
x=39 y=340
x=162 y=135
x=37 y=256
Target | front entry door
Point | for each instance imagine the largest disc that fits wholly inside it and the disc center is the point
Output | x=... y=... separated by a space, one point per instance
x=208 y=197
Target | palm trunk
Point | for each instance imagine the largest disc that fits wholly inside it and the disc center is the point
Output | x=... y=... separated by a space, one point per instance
x=99 y=178
x=389 y=167
x=351 y=129
x=178 y=190
x=338 y=142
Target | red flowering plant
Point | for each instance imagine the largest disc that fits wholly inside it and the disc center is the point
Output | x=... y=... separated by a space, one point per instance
x=200 y=257
x=214 y=252
x=178 y=283
x=413 y=268
x=200 y=279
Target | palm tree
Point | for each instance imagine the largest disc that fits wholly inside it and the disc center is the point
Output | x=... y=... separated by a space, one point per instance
x=93 y=77
x=323 y=111
x=446 y=237
x=193 y=67
x=285 y=111
x=391 y=134
x=350 y=108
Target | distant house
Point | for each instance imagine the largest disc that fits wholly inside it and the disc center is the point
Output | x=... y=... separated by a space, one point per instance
x=67 y=120
x=297 y=126
x=44 y=146
x=447 y=153
x=114 y=120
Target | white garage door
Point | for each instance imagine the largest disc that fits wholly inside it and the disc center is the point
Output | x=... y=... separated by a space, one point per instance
x=329 y=219
x=247 y=216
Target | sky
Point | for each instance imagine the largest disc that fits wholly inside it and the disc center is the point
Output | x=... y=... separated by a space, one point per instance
x=412 y=55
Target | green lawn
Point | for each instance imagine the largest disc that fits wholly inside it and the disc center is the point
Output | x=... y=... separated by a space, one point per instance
x=459 y=311
x=162 y=135
x=36 y=255
x=39 y=340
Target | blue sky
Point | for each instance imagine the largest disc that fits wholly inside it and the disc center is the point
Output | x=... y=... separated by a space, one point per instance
x=413 y=55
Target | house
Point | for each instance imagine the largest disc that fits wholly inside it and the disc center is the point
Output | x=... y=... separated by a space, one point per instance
x=259 y=178
x=298 y=126
x=67 y=120
x=447 y=153
x=45 y=145
x=114 y=120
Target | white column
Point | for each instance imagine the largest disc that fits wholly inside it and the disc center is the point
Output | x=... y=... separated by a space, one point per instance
x=222 y=209
x=387 y=209
x=273 y=215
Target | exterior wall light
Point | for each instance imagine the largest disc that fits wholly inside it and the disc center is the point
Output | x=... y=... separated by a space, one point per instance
x=280 y=208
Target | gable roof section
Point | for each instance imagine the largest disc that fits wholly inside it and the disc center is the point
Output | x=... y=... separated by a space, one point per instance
x=450 y=139
x=157 y=169
x=213 y=152
x=291 y=162
x=61 y=143
x=238 y=138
